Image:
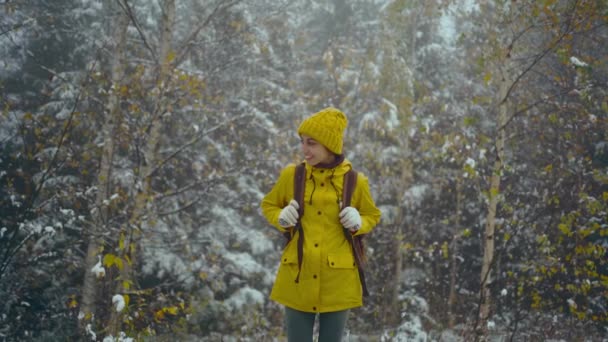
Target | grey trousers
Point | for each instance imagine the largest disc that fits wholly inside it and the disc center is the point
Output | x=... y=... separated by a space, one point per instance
x=300 y=325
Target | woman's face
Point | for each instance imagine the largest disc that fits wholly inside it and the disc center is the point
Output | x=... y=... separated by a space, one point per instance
x=314 y=152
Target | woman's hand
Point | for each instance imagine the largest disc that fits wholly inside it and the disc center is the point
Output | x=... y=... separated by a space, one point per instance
x=289 y=215
x=350 y=219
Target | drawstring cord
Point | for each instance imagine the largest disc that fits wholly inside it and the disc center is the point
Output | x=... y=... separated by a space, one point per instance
x=331 y=181
x=314 y=186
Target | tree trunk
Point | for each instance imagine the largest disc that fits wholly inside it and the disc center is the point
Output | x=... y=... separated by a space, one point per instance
x=412 y=45
x=100 y=214
x=141 y=212
x=488 y=243
x=452 y=298
x=395 y=304
x=391 y=315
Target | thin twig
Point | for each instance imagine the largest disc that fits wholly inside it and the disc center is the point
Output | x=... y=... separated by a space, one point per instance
x=185 y=46
x=539 y=57
x=194 y=141
x=129 y=12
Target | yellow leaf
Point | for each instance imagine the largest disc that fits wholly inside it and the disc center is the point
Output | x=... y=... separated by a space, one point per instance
x=407 y=246
x=109 y=260
x=121 y=242
x=171 y=310
x=126 y=284
x=171 y=56
x=487 y=77
x=536 y=12
x=127 y=299
x=445 y=250
x=159 y=315
x=536 y=300
x=73 y=303
x=564 y=229
x=119 y=264
x=553 y=118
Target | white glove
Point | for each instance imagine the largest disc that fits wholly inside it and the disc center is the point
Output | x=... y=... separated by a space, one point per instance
x=289 y=215
x=350 y=219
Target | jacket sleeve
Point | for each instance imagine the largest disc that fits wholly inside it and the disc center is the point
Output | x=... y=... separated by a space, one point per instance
x=364 y=203
x=279 y=197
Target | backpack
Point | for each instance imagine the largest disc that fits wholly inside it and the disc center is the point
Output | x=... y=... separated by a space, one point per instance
x=350 y=182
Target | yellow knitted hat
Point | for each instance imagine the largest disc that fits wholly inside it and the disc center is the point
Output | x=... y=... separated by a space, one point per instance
x=327 y=127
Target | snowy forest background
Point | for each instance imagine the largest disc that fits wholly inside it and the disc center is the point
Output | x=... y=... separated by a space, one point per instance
x=138 y=137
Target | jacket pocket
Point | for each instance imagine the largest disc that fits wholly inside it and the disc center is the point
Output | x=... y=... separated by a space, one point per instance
x=342 y=260
x=290 y=255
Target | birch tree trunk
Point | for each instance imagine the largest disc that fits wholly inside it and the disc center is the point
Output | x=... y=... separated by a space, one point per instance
x=100 y=214
x=488 y=243
x=391 y=316
x=395 y=305
x=452 y=298
x=141 y=213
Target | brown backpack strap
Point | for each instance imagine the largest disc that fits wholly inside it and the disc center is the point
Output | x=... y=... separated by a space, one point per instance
x=298 y=194
x=350 y=182
x=298 y=187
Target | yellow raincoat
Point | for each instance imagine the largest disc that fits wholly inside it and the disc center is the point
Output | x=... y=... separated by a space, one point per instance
x=329 y=279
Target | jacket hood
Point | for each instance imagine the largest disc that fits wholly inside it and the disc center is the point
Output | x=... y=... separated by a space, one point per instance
x=340 y=167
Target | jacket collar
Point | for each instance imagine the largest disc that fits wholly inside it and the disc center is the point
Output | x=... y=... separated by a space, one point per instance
x=337 y=168
x=337 y=161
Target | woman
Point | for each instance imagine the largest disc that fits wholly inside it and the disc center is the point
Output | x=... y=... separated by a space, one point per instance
x=327 y=280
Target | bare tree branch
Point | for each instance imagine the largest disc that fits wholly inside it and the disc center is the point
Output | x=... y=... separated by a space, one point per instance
x=539 y=57
x=65 y=80
x=10 y=254
x=186 y=44
x=194 y=141
x=129 y=12
x=15 y=27
x=527 y=108
x=186 y=206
